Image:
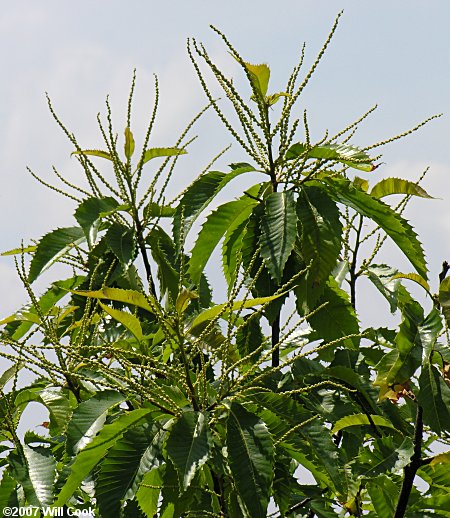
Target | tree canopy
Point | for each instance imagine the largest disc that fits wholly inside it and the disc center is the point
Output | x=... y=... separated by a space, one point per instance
x=169 y=396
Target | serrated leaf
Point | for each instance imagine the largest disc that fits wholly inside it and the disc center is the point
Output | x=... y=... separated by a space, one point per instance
x=444 y=298
x=343 y=153
x=320 y=241
x=361 y=420
x=129 y=143
x=259 y=76
x=129 y=321
x=131 y=297
x=383 y=277
x=59 y=408
x=250 y=457
x=199 y=195
x=51 y=247
x=231 y=252
x=361 y=183
x=225 y=218
x=147 y=496
x=392 y=223
x=41 y=471
x=337 y=318
x=89 y=417
x=274 y=98
x=90 y=456
x=183 y=300
x=278 y=231
x=383 y=493
x=415 y=336
x=326 y=453
x=163 y=253
x=388 y=186
x=122 y=242
x=10 y=373
x=188 y=446
x=249 y=337
x=156 y=152
x=441 y=458
x=415 y=278
x=434 y=397
x=153 y=210
x=94 y=152
x=121 y=473
x=8 y=496
x=211 y=313
x=91 y=209
x=19 y=251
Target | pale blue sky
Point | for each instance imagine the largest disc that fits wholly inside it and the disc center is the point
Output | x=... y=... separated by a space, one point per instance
x=394 y=53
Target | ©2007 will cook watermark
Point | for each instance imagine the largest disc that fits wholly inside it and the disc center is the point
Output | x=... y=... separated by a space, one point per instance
x=47 y=512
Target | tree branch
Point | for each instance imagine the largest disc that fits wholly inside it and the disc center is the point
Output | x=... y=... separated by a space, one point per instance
x=411 y=469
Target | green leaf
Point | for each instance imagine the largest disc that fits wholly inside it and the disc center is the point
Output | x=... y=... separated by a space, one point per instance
x=274 y=98
x=129 y=143
x=163 y=253
x=225 y=218
x=131 y=297
x=94 y=152
x=8 y=496
x=361 y=420
x=183 y=300
x=444 y=298
x=156 y=152
x=188 y=446
x=148 y=497
x=429 y=331
x=434 y=397
x=123 y=467
x=231 y=253
x=259 y=76
x=153 y=210
x=250 y=456
x=51 y=247
x=343 y=153
x=415 y=335
x=89 y=417
x=361 y=183
x=89 y=457
x=249 y=337
x=415 y=278
x=337 y=319
x=388 y=186
x=19 y=251
x=320 y=241
x=435 y=503
x=91 y=209
x=211 y=313
x=383 y=277
x=10 y=373
x=122 y=242
x=41 y=471
x=59 y=408
x=278 y=231
x=128 y=320
x=384 y=495
x=392 y=223
x=199 y=195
